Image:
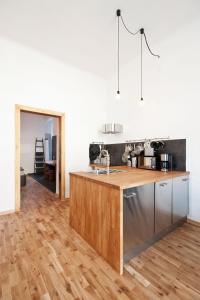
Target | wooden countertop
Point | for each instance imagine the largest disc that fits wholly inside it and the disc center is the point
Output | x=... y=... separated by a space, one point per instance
x=131 y=177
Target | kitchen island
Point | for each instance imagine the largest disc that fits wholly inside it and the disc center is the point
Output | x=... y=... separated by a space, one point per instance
x=123 y=213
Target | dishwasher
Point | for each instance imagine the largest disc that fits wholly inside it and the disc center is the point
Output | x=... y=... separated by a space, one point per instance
x=138 y=219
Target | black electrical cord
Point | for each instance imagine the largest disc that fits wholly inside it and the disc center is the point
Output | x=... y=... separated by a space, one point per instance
x=118 y=92
x=127 y=27
x=149 y=47
x=135 y=33
x=141 y=74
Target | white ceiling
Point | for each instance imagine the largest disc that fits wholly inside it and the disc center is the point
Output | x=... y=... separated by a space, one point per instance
x=83 y=32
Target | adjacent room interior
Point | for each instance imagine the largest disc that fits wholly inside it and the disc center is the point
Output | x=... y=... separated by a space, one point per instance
x=39 y=150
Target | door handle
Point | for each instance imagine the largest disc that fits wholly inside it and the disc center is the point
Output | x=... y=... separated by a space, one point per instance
x=185 y=179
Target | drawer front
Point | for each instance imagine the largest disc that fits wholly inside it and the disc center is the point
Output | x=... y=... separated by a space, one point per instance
x=180 y=206
x=138 y=208
x=163 y=205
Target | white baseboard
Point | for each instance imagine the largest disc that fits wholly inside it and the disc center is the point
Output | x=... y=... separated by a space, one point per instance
x=7 y=212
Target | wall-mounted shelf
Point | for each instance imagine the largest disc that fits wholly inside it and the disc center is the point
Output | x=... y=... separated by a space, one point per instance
x=112 y=128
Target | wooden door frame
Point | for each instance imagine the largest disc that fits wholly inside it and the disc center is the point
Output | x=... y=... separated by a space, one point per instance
x=61 y=117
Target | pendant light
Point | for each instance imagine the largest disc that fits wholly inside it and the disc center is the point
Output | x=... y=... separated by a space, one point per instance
x=142 y=34
x=118 y=90
x=141 y=102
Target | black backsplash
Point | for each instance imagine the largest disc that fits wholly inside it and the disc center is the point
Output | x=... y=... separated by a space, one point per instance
x=177 y=148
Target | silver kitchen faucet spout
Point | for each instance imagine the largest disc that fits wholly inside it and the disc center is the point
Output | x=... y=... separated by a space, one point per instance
x=104 y=153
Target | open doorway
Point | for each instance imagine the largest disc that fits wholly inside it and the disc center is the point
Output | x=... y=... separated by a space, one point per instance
x=39 y=150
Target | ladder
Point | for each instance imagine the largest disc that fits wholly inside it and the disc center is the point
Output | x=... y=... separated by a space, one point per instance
x=39 y=156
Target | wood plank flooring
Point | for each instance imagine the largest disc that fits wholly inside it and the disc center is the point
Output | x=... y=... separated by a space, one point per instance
x=41 y=257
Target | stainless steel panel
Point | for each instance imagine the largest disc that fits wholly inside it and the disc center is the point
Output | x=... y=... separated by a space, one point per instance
x=138 y=209
x=156 y=237
x=180 y=198
x=163 y=205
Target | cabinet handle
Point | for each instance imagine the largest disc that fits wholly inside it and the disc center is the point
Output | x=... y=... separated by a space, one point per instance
x=185 y=179
x=130 y=195
x=163 y=184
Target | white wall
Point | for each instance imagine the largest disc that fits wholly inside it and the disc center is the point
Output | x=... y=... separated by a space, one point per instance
x=172 y=96
x=29 y=78
x=32 y=126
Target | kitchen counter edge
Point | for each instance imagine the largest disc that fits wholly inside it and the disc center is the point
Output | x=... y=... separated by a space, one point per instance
x=145 y=177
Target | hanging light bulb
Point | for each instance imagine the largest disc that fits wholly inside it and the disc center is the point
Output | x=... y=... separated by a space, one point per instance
x=141 y=102
x=118 y=95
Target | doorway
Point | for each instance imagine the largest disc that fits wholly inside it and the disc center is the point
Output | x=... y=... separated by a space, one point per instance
x=60 y=117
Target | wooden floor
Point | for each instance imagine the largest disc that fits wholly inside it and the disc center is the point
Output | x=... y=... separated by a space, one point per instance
x=41 y=257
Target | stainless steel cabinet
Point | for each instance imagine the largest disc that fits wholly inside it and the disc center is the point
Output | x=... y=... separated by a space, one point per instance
x=180 y=206
x=149 y=212
x=163 y=205
x=138 y=221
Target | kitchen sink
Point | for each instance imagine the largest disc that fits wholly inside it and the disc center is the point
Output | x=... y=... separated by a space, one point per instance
x=104 y=171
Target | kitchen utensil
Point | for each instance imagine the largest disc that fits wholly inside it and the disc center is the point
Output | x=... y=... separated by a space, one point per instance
x=128 y=148
x=129 y=162
x=126 y=154
x=138 y=149
x=125 y=157
x=148 y=150
x=134 y=162
x=157 y=145
x=94 y=151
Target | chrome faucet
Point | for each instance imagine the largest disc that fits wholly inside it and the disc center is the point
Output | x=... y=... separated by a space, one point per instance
x=104 y=153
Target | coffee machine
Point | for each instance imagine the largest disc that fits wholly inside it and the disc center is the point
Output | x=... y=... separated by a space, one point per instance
x=165 y=162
